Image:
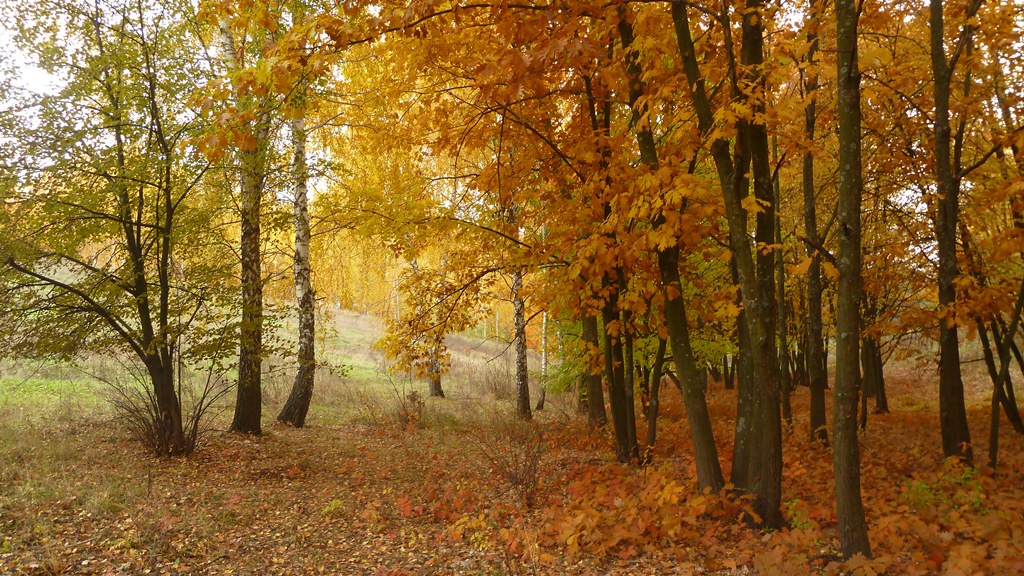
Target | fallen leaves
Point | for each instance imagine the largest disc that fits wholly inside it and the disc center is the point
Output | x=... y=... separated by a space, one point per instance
x=356 y=499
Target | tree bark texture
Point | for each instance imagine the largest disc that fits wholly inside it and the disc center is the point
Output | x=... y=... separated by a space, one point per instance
x=522 y=375
x=434 y=375
x=296 y=407
x=252 y=167
x=785 y=377
x=595 y=392
x=853 y=531
x=756 y=276
x=249 y=401
x=653 y=402
x=956 y=436
x=614 y=373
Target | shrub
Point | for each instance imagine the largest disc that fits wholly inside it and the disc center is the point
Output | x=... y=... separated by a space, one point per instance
x=514 y=450
x=135 y=404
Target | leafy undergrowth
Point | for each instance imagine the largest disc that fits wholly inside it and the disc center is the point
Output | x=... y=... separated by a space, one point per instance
x=487 y=497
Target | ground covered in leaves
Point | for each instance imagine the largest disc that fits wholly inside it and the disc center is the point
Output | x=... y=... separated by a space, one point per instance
x=460 y=493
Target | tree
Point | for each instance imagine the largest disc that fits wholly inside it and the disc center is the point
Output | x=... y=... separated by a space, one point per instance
x=817 y=378
x=956 y=436
x=295 y=408
x=709 y=472
x=596 y=414
x=250 y=130
x=853 y=532
x=107 y=251
x=522 y=374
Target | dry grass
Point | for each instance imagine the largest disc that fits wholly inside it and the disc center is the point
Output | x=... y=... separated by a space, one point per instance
x=359 y=493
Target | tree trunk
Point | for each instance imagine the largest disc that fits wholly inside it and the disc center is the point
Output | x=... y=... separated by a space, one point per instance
x=715 y=370
x=1012 y=412
x=595 y=393
x=249 y=402
x=874 y=373
x=522 y=375
x=853 y=531
x=743 y=368
x=785 y=380
x=434 y=376
x=999 y=393
x=615 y=374
x=543 y=361
x=756 y=279
x=956 y=436
x=653 y=402
x=171 y=440
x=763 y=461
x=628 y=384
x=709 y=469
x=252 y=165
x=297 y=405
x=816 y=370
x=709 y=473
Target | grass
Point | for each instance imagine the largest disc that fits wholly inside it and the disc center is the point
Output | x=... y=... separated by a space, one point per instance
x=71 y=479
x=359 y=493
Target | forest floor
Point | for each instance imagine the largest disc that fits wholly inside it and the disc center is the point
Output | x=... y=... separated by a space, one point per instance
x=464 y=489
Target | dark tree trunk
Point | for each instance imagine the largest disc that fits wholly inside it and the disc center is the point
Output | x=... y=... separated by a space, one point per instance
x=709 y=469
x=628 y=382
x=743 y=368
x=249 y=402
x=171 y=440
x=252 y=167
x=595 y=393
x=756 y=281
x=297 y=406
x=1002 y=394
x=715 y=370
x=999 y=393
x=709 y=474
x=1010 y=395
x=615 y=374
x=785 y=377
x=874 y=373
x=654 y=403
x=582 y=398
x=853 y=530
x=645 y=387
x=817 y=375
x=956 y=436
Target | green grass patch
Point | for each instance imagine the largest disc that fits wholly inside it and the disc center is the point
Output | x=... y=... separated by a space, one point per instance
x=45 y=392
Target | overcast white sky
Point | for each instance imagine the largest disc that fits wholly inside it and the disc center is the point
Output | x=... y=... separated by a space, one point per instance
x=26 y=76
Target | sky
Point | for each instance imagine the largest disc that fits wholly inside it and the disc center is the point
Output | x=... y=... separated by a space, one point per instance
x=25 y=75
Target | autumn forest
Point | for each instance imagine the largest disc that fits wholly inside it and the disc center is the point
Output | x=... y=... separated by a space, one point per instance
x=520 y=287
